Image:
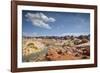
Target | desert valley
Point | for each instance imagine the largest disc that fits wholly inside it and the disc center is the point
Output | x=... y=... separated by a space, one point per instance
x=54 y=48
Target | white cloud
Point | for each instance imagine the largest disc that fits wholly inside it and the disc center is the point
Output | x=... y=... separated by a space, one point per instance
x=75 y=34
x=30 y=34
x=39 y=20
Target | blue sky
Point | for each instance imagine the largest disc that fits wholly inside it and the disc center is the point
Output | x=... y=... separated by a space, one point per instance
x=44 y=23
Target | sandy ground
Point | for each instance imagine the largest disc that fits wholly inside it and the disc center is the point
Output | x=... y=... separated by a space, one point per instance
x=56 y=50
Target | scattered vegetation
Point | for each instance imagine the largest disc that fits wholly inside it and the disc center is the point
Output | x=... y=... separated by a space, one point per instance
x=52 y=48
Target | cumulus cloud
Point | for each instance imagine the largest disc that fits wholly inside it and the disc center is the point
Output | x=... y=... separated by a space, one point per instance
x=40 y=20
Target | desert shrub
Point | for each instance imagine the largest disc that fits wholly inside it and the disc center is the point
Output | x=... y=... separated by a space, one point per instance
x=68 y=43
x=77 y=55
x=31 y=45
x=81 y=37
x=84 y=57
x=77 y=42
x=84 y=41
